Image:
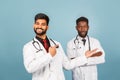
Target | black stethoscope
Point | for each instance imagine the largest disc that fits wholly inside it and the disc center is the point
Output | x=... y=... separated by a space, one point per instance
x=38 y=47
x=76 y=39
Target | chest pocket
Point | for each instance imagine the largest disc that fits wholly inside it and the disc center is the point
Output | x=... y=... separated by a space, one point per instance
x=78 y=50
x=39 y=54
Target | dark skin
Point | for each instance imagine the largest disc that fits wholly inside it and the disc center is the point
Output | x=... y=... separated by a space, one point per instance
x=82 y=29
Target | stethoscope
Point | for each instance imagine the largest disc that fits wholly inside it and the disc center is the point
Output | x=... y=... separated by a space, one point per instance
x=76 y=41
x=38 y=47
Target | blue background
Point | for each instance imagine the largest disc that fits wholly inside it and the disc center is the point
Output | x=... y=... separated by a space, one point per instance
x=17 y=18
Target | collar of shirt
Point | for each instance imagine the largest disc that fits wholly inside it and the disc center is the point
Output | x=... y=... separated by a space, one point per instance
x=41 y=40
x=80 y=38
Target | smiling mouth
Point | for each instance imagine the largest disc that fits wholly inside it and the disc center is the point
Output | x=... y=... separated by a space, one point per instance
x=39 y=28
x=83 y=32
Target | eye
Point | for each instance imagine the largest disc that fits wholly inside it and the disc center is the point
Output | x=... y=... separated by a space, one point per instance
x=37 y=23
x=82 y=26
x=44 y=24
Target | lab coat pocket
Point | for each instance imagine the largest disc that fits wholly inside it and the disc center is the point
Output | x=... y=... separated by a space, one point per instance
x=80 y=51
x=77 y=51
x=73 y=55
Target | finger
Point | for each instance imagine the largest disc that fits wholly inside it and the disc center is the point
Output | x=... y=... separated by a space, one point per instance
x=94 y=50
x=57 y=46
x=87 y=50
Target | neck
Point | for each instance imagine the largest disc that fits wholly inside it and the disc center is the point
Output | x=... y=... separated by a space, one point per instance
x=82 y=36
x=41 y=36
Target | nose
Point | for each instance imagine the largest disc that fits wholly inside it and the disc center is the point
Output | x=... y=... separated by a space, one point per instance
x=39 y=25
x=83 y=29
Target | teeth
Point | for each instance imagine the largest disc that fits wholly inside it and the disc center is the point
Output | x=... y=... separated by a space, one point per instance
x=39 y=30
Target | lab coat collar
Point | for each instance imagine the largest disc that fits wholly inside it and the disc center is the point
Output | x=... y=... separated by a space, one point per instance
x=80 y=38
x=51 y=43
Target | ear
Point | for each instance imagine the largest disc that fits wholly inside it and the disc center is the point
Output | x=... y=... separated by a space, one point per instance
x=47 y=27
x=88 y=27
x=33 y=25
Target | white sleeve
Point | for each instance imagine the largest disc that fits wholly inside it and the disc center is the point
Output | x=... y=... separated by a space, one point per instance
x=33 y=63
x=97 y=60
x=73 y=63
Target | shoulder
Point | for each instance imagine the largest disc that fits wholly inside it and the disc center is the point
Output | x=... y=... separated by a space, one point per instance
x=93 y=39
x=28 y=44
x=54 y=41
x=71 y=43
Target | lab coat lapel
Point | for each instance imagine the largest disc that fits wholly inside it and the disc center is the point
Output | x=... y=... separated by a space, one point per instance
x=51 y=43
x=41 y=46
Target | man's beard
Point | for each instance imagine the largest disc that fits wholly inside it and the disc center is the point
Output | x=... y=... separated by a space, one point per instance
x=42 y=33
x=83 y=35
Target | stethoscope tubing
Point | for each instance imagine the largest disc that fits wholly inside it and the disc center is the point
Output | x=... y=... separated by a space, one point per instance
x=76 y=39
x=40 y=49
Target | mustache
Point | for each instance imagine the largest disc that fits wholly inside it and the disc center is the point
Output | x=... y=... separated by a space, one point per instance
x=83 y=31
x=40 y=28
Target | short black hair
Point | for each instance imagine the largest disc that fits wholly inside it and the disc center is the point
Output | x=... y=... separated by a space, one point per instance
x=82 y=19
x=42 y=16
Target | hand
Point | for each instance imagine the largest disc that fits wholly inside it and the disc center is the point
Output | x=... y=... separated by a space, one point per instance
x=52 y=50
x=90 y=53
x=97 y=54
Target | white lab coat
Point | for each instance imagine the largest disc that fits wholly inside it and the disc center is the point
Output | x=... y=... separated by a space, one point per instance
x=89 y=70
x=45 y=67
